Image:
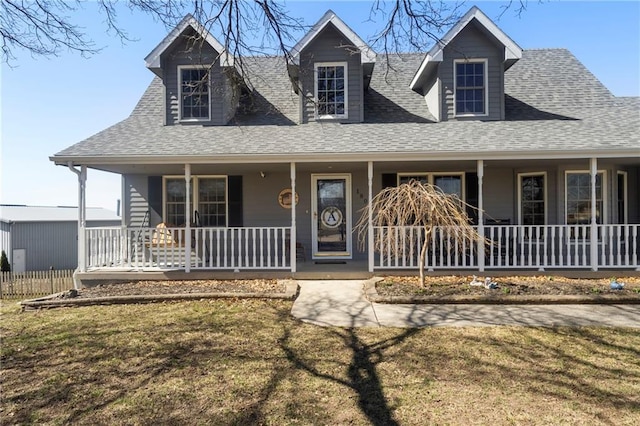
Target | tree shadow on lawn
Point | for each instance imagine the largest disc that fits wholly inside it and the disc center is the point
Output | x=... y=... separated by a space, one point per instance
x=361 y=373
x=576 y=364
x=198 y=341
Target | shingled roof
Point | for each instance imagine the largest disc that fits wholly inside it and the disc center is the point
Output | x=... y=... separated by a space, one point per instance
x=554 y=106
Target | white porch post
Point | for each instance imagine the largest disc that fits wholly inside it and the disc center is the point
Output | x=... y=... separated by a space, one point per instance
x=480 y=168
x=593 y=162
x=293 y=242
x=370 y=247
x=187 y=234
x=82 y=220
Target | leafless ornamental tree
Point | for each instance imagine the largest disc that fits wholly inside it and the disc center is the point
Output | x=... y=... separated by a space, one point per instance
x=247 y=27
x=422 y=205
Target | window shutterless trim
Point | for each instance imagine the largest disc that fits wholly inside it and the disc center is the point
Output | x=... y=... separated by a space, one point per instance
x=485 y=63
x=346 y=91
x=180 y=104
x=544 y=200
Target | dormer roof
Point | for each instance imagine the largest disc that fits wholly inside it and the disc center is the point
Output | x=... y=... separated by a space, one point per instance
x=188 y=22
x=512 y=52
x=367 y=54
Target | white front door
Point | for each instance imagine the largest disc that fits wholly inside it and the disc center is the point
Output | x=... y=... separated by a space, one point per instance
x=331 y=216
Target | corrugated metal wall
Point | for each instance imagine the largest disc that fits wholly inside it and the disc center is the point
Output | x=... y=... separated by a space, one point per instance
x=50 y=243
x=5 y=238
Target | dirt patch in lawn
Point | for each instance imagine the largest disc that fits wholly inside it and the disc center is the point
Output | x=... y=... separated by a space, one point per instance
x=510 y=285
x=136 y=288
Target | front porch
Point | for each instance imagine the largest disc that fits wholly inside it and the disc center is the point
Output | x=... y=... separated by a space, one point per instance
x=297 y=219
x=511 y=247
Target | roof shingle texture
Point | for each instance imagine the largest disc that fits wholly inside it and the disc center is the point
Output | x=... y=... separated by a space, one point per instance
x=552 y=102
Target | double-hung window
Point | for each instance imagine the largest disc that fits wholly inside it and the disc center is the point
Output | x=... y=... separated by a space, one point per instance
x=470 y=87
x=194 y=93
x=331 y=90
x=578 y=197
x=449 y=183
x=208 y=201
x=532 y=198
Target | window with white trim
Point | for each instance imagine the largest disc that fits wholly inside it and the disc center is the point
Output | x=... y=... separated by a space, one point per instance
x=194 y=93
x=470 y=87
x=449 y=183
x=533 y=194
x=208 y=201
x=578 y=197
x=331 y=90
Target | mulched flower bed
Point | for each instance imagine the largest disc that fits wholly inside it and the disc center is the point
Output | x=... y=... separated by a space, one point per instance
x=510 y=285
x=183 y=287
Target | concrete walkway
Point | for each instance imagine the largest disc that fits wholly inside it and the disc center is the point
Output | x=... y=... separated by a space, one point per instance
x=342 y=303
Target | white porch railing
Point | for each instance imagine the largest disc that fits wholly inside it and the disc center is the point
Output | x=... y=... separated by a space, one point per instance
x=511 y=247
x=211 y=248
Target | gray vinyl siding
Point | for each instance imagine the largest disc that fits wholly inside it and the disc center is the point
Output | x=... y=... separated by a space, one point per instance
x=136 y=202
x=472 y=43
x=184 y=54
x=331 y=46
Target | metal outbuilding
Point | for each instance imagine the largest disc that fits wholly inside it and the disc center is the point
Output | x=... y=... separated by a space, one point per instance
x=36 y=238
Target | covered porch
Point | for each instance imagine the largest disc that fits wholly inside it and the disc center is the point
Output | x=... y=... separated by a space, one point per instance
x=536 y=214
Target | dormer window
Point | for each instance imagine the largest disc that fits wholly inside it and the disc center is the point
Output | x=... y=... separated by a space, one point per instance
x=331 y=90
x=470 y=87
x=194 y=93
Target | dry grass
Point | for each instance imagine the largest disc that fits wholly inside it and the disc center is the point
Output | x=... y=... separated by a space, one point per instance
x=248 y=362
x=458 y=285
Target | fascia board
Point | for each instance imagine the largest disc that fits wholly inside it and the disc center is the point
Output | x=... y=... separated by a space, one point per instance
x=426 y=63
x=347 y=157
x=367 y=55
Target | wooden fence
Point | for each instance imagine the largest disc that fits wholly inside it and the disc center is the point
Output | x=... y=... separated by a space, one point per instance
x=34 y=283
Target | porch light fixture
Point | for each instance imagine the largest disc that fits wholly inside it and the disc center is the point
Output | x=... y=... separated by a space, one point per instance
x=262 y=175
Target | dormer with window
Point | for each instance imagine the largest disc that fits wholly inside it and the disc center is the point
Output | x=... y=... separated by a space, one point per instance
x=331 y=68
x=462 y=76
x=198 y=76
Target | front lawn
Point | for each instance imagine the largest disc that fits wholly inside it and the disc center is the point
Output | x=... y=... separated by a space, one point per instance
x=248 y=362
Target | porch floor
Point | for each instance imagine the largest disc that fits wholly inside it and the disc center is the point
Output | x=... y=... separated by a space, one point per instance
x=312 y=270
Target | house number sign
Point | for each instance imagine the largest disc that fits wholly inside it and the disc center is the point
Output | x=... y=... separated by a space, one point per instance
x=331 y=217
x=284 y=198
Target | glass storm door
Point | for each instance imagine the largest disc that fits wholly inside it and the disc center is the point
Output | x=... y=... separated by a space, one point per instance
x=331 y=218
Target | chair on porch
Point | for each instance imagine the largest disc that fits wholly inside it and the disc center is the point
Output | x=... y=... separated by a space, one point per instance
x=167 y=245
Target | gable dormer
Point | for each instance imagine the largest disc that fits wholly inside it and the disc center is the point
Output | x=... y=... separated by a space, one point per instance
x=331 y=68
x=200 y=82
x=462 y=76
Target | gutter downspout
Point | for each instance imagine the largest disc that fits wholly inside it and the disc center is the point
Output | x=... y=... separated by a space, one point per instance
x=82 y=221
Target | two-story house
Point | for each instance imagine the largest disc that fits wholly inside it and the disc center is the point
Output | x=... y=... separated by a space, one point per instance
x=268 y=169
